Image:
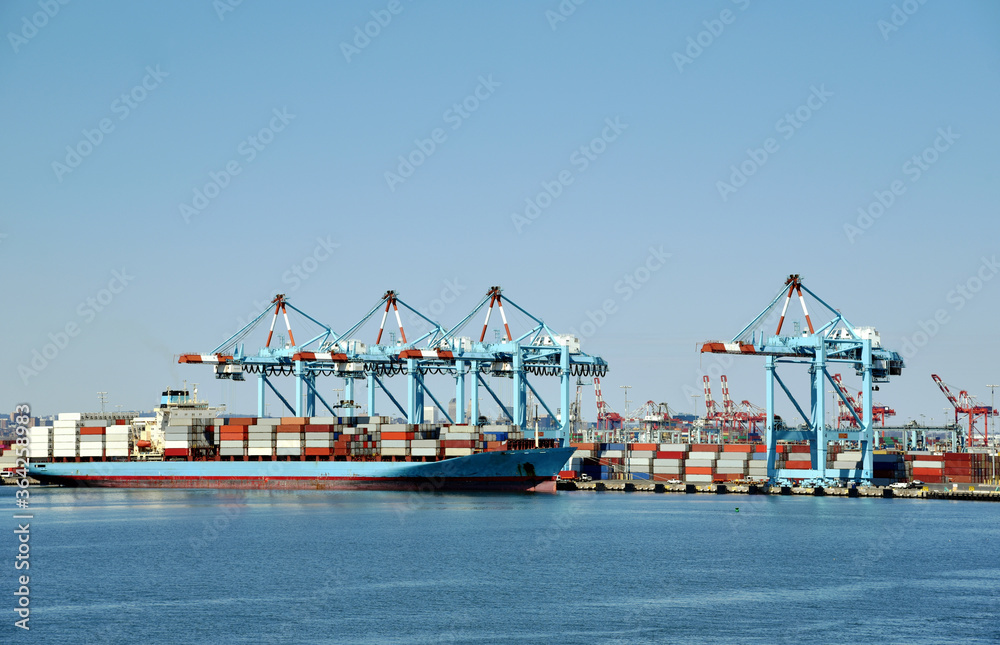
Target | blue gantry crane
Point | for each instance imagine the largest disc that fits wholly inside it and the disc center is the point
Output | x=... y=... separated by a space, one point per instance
x=836 y=341
x=537 y=352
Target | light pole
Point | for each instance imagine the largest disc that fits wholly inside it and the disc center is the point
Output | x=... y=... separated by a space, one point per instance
x=625 y=411
x=992 y=387
x=103 y=396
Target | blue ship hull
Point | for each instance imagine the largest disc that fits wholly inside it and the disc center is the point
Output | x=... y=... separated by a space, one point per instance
x=509 y=470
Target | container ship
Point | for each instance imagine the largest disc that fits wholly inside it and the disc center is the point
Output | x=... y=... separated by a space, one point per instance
x=187 y=444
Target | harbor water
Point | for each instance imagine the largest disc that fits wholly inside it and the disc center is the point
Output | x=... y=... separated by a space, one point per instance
x=112 y=566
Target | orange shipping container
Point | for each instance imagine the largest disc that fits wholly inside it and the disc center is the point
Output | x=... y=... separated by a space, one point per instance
x=704 y=447
x=242 y=421
x=294 y=421
x=699 y=470
x=291 y=429
x=317 y=452
x=737 y=447
x=798 y=465
x=397 y=436
x=643 y=446
x=87 y=430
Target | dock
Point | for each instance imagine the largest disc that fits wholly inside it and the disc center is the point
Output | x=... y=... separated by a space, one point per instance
x=761 y=489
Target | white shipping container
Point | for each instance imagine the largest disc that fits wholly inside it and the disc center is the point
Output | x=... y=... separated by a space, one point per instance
x=69 y=416
x=729 y=463
x=458 y=452
x=697 y=479
x=423 y=452
x=698 y=463
x=259 y=452
x=394 y=443
x=116 y=452
x=283 y=452
x=459 y=436
x=288 y=443
x=167 y=445
x=322 y=421
x=642 y=454
x=612 y=454
x=668 y=462
x=667 y=470
x=425 y=443
x=632 y=461
x=674 y=447
x=318 y=443
x=265 y=443
x=583 y=454
x=394 y=452
x=91 y=452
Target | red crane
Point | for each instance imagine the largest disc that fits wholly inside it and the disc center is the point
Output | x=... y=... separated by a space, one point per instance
x=606 y=417
x=966 y=404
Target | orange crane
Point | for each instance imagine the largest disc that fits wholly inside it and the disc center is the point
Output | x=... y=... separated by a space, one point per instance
x=966 y=404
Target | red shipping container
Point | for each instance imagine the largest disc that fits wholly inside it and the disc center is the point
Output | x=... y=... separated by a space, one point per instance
x=289 y=429
x=310 y=452
x=397 y=436
x=457 y=443
x=704 y=447
x=234 y=428
x=927 y=457
x=242 y=421
x=318 y=428
x=567 y=474
x=121 y=422
x=798 y=449
x=798 y=465
x=671 y=454
x=923 y=473
x=760 y=448
x=91 y=430
x=175 y=452
x=699 y=470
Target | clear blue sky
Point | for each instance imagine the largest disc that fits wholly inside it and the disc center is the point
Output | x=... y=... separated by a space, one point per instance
x=846 y=96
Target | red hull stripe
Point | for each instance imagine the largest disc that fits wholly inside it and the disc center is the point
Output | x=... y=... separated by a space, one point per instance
x=537 y=484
